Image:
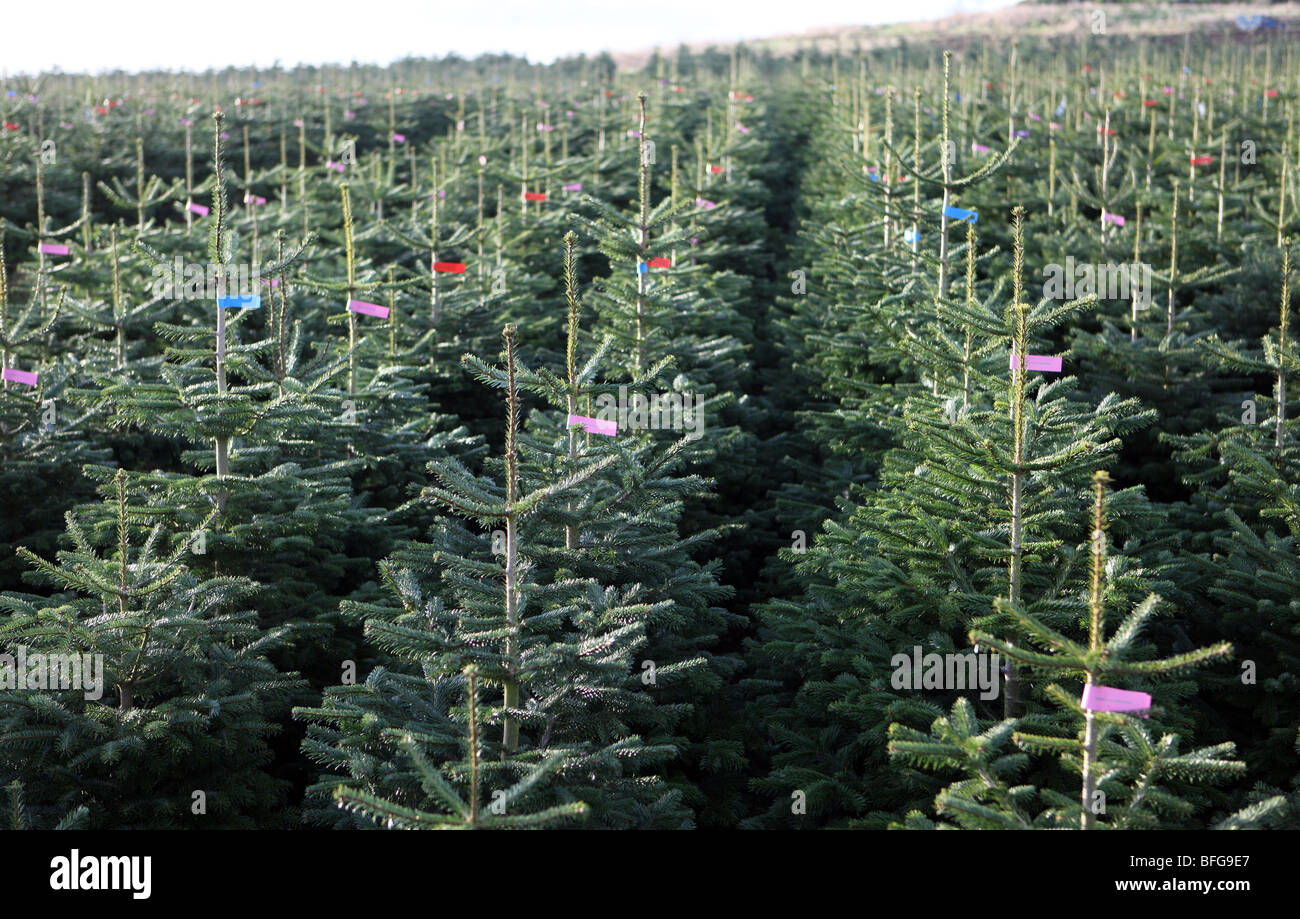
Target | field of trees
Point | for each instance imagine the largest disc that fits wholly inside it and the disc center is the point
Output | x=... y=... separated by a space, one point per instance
x=831 y=440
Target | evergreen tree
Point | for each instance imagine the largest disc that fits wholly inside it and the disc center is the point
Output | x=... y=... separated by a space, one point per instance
x=175 y=733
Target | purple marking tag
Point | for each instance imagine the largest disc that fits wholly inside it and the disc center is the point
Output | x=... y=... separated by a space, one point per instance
x=593 y=425
x=19 y=376
x=1038 y=362
x=53 y=249
x=369 y=309
x=1109 y=699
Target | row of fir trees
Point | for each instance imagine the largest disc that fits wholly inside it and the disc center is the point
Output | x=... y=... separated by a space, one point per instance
x=493 y=445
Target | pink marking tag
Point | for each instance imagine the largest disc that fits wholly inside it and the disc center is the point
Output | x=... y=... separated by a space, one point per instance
x=1109 y=699
x=19 y=376
x=53 y=249
x=199 y=209
x=369 y=309
x=337 y=167
x=700 y=202
x=1033 y=117
x=399 y=138
x=978 y=148
x=741 y=128
x=592 y=425
x=576 y=186
x=1038 y=362
x=1112 y=218
x=253 y=199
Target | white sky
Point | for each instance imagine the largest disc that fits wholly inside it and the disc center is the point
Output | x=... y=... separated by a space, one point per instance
x=96 y=35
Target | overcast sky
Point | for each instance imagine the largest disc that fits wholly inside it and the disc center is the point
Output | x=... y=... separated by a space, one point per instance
x=85 y=36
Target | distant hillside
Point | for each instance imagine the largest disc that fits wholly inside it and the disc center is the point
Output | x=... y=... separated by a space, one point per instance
x=1039 y=19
